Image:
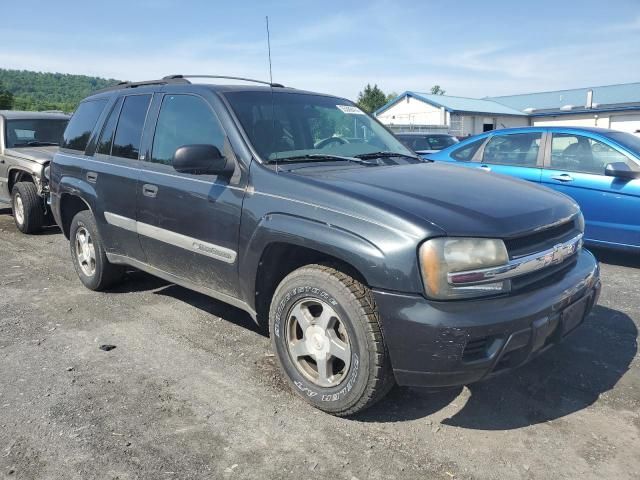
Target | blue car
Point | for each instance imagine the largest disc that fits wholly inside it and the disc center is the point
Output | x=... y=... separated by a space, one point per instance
x=599 y=168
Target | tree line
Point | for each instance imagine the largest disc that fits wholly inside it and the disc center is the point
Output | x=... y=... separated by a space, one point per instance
x=27 y=90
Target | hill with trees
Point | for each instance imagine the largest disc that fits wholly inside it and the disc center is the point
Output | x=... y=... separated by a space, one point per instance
x=26 y=90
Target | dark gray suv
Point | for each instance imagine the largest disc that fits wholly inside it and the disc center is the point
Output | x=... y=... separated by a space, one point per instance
x=369 y=265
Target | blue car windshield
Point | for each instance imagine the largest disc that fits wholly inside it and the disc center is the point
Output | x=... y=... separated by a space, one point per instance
x=627 y=140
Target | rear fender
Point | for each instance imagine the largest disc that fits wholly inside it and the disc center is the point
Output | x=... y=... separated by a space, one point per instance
x=75 y=187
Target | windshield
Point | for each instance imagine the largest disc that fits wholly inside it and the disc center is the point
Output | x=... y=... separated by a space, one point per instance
x=427 y=142
x=627 y=140
x=34 y=132
x=293 y=125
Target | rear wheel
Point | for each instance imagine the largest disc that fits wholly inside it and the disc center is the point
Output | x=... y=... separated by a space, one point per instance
x=88 y=254
x=325 y=330
x=28 y=208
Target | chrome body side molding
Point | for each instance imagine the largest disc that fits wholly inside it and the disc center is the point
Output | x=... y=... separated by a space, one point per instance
x=167 y=236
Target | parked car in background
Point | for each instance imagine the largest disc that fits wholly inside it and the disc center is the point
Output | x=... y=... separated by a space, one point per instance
x=424 y=143
x=28 y=141
x=598 y=168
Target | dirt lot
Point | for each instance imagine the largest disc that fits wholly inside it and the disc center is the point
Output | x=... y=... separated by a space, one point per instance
x=191 y=391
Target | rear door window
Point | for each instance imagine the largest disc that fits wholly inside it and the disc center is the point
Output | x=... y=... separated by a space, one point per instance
x=77 y=134
x=126 y=143
x=517 y=149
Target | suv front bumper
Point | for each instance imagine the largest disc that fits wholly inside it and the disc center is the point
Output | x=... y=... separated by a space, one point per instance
x=440 y=344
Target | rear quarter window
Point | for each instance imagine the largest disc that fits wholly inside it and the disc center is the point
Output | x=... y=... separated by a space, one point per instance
x=466 y=152
x=76 y=136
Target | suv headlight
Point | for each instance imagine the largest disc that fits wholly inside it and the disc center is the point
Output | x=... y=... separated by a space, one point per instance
x=442 y=256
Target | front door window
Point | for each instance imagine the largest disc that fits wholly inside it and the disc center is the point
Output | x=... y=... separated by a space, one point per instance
x=184 y=120
x=576 y=153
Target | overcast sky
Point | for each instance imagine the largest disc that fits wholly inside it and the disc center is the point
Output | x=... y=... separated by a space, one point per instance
x=470 y=48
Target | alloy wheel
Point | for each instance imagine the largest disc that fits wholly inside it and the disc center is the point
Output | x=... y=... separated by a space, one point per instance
x=318 y=342
x=85 y=252
x=18 y=209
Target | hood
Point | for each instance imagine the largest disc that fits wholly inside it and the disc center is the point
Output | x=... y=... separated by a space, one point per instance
x=40 y=155
x=461 y=201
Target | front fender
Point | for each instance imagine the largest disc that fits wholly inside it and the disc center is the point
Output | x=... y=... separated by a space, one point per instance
x=33 y=171
x=389 y=262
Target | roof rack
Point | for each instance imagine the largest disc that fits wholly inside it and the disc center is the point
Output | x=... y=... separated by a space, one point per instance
x=184 y=77
x=162 y=81
x=179 y=79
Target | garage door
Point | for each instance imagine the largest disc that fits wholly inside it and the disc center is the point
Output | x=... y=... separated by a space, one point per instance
x=626 y=123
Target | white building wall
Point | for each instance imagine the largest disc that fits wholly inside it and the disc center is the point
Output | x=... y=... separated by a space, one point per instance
x=628 y=121
x=512 y=122
x=411 y=111
x=473 y=124
x=578 y=120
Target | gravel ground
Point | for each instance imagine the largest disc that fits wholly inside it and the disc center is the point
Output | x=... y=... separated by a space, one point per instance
x=192 y=391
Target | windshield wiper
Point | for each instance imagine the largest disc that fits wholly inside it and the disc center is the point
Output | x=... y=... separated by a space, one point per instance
x=386 y=155
x=36 y=144
x=319 y=158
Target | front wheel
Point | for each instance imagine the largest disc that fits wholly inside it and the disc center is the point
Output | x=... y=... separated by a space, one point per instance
x=325 y=330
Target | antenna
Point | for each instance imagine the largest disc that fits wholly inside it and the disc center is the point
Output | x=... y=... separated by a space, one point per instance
x=273 y=108
x=269 y=49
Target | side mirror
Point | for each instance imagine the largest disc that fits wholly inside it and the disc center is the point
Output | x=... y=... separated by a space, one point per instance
x=620 y=170
x=200 y=159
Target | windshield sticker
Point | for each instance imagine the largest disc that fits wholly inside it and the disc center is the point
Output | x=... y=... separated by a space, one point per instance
x=350 y=109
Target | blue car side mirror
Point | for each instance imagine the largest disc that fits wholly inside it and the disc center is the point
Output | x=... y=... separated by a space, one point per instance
x=620 y=170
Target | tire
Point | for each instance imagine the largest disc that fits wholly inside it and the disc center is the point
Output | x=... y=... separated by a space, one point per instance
x=27 y=206
x=94 y=270
x=338 y=314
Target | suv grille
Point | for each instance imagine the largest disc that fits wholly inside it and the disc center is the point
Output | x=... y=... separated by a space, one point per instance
x=542 y=240
x=539 y=242
x=544 y=277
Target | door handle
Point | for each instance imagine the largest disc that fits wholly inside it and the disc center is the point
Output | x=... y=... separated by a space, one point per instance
x=486 y=168
x=92 y=177
x=149 y=190
x=565 y=177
